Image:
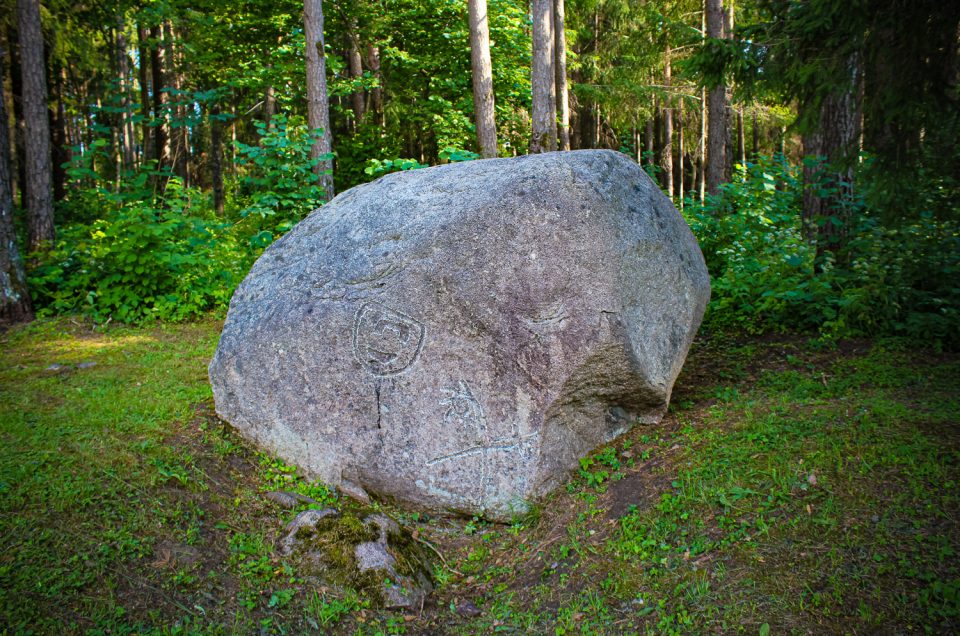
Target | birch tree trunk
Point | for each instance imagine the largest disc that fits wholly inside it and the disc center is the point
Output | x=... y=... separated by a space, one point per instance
x=543 y=79
x=14 y=298
x=318 y=108
x=560 y=69
x=39 y=185
x=716 y=109
x=482 y=78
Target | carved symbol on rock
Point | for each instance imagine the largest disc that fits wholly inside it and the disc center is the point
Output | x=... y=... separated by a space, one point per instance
x=464 y=412
x=385 y=341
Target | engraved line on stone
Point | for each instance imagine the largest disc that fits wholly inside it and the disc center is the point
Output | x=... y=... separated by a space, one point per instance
x=465 y=409
x=373 y=277
x=385 y=341
x=475 y=450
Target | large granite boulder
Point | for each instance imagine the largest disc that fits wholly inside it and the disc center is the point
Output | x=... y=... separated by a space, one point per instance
x=457 y=337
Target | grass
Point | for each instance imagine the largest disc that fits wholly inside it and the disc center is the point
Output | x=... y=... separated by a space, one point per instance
x=791 y=489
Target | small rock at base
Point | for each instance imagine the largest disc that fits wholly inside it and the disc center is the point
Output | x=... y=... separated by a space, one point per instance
x=288 y=499
x=468 y=608
x=306 y=519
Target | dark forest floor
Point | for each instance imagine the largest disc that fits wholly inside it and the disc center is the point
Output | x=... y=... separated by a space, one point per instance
x=792 y=488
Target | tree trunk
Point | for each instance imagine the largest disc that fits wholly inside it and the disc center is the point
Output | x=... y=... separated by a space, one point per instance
x=269 y=105
x=216 y=158
x=37 y=126
x=355 y=65
x=756 y=136
x=694 y=173
x=666 y=150
x=741 y=139
x=648 y=142
x=836 y=141
x=482 y=78
x=680 y=152
x=543 y=79
x=147 y=151
x=716 y=109
x=160 y=143
x=376 y=94
x=560 y=69
x=123 y=76
x=14 y=297
x=701 y=183
x=318 y=108
x=179 y=131
x=731 y=140
x=60 y=153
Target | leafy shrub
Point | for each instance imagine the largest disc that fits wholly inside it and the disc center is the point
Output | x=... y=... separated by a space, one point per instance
x=279 y=187
x=379 y=167
x=141 y=261
x=897 y=280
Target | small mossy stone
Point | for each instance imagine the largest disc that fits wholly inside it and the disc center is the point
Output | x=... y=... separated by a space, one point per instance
x=335 y=550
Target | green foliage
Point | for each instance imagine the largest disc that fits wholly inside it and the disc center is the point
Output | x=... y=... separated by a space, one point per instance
x=378 y=167
x=888 y=280
x=327 y=610
x=454 y=155
x=279 y=186
x=140 y=261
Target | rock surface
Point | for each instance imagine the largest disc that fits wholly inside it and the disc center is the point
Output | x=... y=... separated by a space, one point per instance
x=457 y=337
x=370 y=553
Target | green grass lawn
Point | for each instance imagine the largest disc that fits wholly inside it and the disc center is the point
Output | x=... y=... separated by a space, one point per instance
x=791 y=489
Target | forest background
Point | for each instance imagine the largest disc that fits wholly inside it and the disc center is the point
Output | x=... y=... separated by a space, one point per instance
x=801 y=482
x=149 y=151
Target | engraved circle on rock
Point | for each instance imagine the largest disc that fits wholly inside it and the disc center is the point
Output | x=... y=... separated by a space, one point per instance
x=386 y=342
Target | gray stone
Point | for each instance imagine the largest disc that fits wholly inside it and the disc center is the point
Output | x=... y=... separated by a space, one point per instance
x=288 y=499
x=457 y=337
x=374 y=542
x=398 y=590
x=306 y=520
